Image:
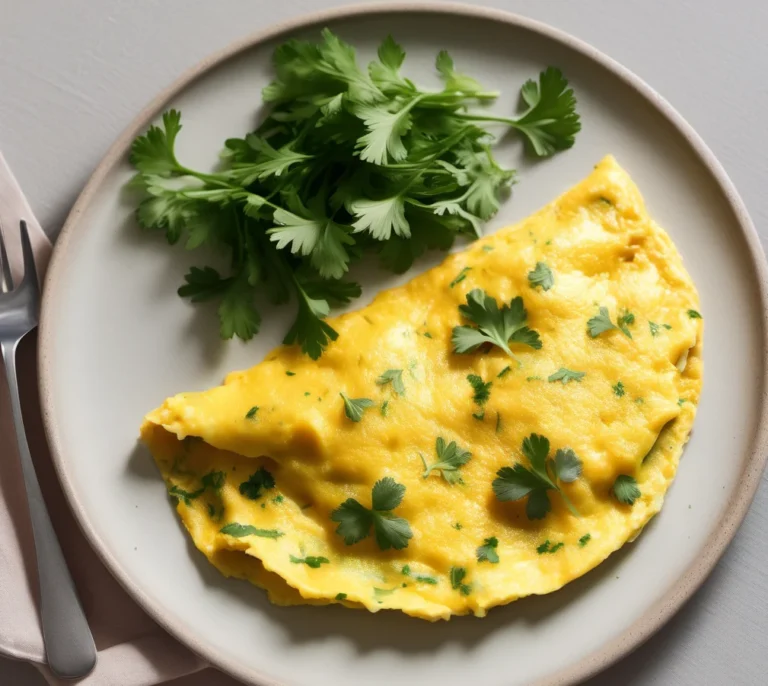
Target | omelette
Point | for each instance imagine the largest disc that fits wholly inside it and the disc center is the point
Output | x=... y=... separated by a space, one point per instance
x=494 y=428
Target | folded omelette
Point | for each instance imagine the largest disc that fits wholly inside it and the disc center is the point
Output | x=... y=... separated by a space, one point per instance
x=424 y=466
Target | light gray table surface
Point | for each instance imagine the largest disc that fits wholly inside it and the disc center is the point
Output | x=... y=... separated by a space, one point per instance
x=73 y=74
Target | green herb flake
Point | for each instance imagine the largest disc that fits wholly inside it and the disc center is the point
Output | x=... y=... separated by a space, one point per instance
x=354 y=407
x=394 y=377
x=457 y=576
x=251 y=414
x=601 y=323
x=498 y=422
x=450 y=458
x=341 y=596
x=544 y=474
x=237 y=530
x=289 y=373
x=618 y=389
x=278 y=499
x=307 y=394
x=260 y=479
x=458 y=526
x=355 y=520
x=504 y=372
x=566 y=375
x=487 y=248
x=693 y=314
x=310 y=561
x=549 y=548
x=482 y=390
x=427 y=334
x=654 y=328
x=461 y=276
x=586 y=538
x=626 y=490
x=541 y=276
x=487 y=551
x=385 y=408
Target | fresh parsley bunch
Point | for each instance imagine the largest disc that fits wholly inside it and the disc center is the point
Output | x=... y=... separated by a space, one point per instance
x=347 y=160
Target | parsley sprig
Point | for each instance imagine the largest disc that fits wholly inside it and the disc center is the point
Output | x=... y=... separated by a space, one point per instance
x=355 y=520
x=495 y=326
x=544 y=474
x=347 y=160
x=450 y=457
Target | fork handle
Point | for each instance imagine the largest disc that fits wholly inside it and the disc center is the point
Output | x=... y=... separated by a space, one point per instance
x=69 y=646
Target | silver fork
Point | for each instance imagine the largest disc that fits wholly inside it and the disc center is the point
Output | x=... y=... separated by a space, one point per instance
x=68 y=642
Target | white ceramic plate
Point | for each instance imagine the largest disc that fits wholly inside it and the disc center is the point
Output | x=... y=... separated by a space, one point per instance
x=116 y=340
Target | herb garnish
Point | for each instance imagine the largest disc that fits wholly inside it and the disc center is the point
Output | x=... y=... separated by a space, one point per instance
x=261 y=478
x=457 y=580
x=354 y=407
x=482 y=390
x=544 y=474
x=541 y=276
x=355 y=520
x=462 y=275
x=625 y=489
x=496 y=326
x=346 y=159
x=395 y=377
x=237 y=530
x=548 y=547
x=406 y=571
x=251 y=414
x=449 y=459
x=487 y=551
x=601 y=323
x=693 y=314
x=618 y=389
x=565 y=375
x=586 y=538
x=310 y=561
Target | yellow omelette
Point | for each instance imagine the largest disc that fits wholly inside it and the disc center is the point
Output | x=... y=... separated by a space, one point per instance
x=261 y=465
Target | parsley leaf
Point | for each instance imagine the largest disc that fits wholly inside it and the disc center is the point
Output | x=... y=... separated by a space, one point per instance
x=487 y=551
x=693 y=314
x=457 y=576
x=354 y=407
x=482 y=390
x=260 y=479
x=310 y=561
x=586 y=538
x=237 y=530
x=543 y=475
x=566 y=375
x=541 y=276
x=601 y=323
x=251 y=414
x=395 y=377
x=549 y=547
x=625 y=489
x=618 y=389
x=461 y=276
x=406 y=571
x=355 y=520
x=449 y=459
x=551 y=122
x=496 y=326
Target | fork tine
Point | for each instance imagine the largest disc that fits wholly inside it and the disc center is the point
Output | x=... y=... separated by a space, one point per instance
x=30 y=270
x=6 y=280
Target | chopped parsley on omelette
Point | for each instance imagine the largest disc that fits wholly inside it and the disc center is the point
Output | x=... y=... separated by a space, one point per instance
x=410 y=469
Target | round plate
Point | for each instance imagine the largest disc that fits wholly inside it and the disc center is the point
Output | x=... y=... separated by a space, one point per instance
x=116 y=340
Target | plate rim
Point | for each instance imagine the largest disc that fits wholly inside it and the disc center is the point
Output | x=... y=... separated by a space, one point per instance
x=656 y=615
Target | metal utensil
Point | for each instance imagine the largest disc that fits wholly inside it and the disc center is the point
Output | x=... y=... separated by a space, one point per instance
x=69 y=646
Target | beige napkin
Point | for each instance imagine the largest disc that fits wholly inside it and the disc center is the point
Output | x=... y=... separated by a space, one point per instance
x=132 y=649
